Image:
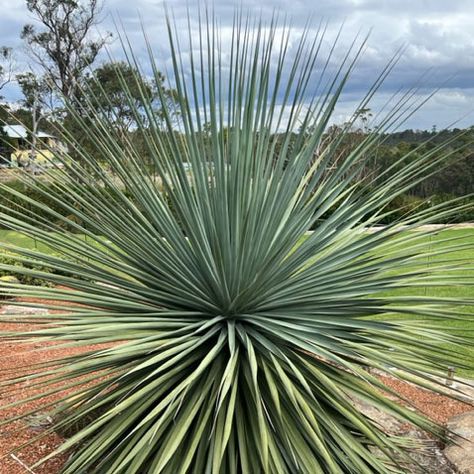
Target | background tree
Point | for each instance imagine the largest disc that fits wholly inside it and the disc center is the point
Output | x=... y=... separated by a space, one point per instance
x=37 y=101
x=104 y=93
x=115 y=92
x=6 y=76
x=6 y=67
x=64 y=44
x=4 y=142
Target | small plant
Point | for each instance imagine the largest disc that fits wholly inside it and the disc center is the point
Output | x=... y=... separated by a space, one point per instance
x=5 y=281
x=14 y=271
x=238 y=341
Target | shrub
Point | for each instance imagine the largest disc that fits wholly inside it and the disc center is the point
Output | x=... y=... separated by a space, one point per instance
x=464 y=214
x=15 y=204
x=7 y=259
x=235 y=341
x=9 y=280
x=402 y=207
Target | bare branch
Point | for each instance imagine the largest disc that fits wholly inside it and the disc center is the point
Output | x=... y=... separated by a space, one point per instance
x=65 y=45
x=7 y=66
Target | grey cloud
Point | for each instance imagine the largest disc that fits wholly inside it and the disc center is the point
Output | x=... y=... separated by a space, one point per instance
x=437 y=34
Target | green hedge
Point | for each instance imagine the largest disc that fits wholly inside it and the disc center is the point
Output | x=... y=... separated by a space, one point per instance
x=7 y=259
x=15 y=203
x=405 y=205
x=401 y=205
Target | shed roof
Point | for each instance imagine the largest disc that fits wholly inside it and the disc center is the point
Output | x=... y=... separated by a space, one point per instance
x=19 y=131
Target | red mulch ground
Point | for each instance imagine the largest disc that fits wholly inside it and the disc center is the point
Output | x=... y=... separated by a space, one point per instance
x=437 y=407
x=12 y=355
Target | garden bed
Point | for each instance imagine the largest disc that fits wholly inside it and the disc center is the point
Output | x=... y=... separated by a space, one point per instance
x=438 y=407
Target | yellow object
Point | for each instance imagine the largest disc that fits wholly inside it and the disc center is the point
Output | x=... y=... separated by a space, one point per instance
x=43 y=154
x=9 y=279
x=16 y=149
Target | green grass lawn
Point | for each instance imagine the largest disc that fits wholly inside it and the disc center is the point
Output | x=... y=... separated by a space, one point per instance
x=465 y=326
x=465 y=235
x=21 y=240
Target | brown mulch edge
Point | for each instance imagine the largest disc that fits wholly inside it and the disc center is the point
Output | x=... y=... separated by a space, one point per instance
x=438 y=407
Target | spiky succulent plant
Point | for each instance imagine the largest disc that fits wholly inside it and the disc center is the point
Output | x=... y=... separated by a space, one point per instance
x=228 y=267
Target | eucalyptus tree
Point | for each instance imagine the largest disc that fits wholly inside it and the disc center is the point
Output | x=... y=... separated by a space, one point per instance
x=7 y=65
x=65 y=44
x=102 y=90
x=232 y=339
x=38 y=101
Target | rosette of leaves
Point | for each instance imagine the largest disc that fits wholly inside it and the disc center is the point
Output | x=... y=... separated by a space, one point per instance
x=219 y=334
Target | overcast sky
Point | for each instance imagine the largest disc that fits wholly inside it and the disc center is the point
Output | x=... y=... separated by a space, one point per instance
x=439 y=36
